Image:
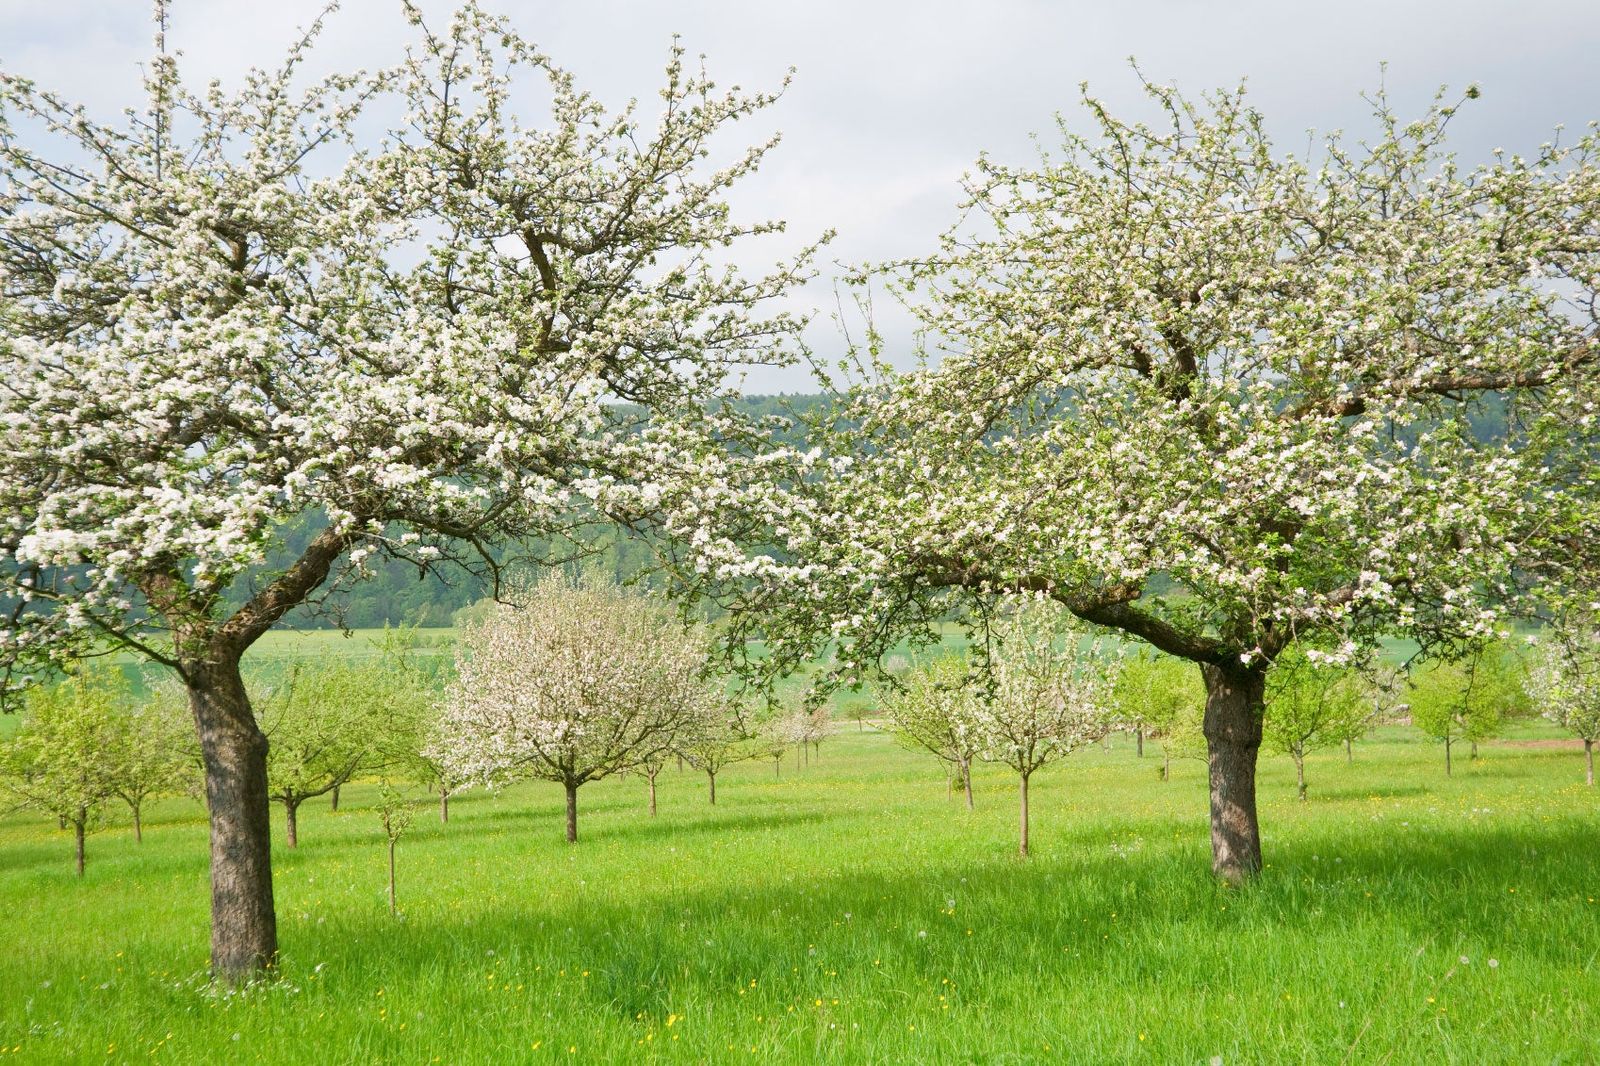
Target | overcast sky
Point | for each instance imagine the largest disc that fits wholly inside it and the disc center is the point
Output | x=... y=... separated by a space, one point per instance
x=893 y=100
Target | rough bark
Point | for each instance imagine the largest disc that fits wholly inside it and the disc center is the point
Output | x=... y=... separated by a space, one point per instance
x=1138 y=742
x=1300 y=775
x=1022 y=840
x=244 y=930
x=1588 y=755
x=1235 y=702
x=391 y=877
x=711 y=780
x=138 y=827
x=966 y=780
x=1447 y=756
x=291 y=815
x=335 y=804
x=651 y=774
x=444 y=805
x=1349 y=754
x=572 y=812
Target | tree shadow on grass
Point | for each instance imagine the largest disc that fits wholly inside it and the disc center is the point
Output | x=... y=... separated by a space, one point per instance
x=1150 y=916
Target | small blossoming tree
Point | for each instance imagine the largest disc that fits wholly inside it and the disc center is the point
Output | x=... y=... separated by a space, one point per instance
x=572 y=683
x=726 y=733
x=220 y=320
x=1050 y=693
x=1565 y=679
x=936 y=708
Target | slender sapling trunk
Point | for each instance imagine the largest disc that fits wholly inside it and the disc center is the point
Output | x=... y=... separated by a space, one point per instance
x=1022 y=842
x=572 y=812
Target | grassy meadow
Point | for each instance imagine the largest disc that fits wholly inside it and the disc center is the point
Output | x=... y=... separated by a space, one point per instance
x=847 y=911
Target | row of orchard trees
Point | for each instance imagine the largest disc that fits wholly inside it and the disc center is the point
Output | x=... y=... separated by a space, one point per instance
x=1041 y=687
x=87 y=742
x=572 y=682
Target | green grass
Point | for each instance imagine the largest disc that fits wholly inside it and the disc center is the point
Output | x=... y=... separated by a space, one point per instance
x=847 y=912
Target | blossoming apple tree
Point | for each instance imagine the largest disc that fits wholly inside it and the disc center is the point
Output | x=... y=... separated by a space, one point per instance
x=223 y=317
x=572 y=684
x=1565 y=677
x=1212 y=396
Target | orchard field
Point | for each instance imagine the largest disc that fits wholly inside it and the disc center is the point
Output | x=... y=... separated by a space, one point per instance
x=847 y=911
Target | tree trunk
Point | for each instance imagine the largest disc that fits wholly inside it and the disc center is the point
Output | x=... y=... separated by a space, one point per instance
x=651 y=774
x=1300 y=775
x=244 y=929
x=444 y=805
x=1166 y=763
x=711 y=781
x=1447 y=756
x=79 y=828
x=291 y=811
x=1349 y=755
x=61 y=821
x=335 y=795
x=1138 y=742
x=966 y=780
x=777 y=765
x=1472 y=752
x=1235 y=700
x=138 y=826
x=1588 y=754
x=680 y=764
x=1022 y=841
x=391 y=878
x=572 y=812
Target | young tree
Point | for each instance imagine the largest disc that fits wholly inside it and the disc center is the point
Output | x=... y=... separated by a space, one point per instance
x=727 y=733
x=575 y=682
x=1565 y=679
x=149 y=755
x=409 y=746
x=1311 y=705
x=1469 y=698
x=218 y=328
x=327 y=722
x=936 y=708
x=1050 y=695
x=1212 y=395
x=62 y=760
x=1163 y=698
x=396 y=814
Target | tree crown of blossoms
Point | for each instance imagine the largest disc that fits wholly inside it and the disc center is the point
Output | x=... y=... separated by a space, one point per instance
x=1214 y=395
x=227 y=315
x=571 y=682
